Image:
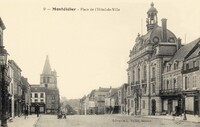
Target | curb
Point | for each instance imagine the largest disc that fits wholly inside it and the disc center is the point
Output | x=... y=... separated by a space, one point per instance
x=170 y=119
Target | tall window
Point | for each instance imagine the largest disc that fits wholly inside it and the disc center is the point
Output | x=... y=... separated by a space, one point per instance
x=143 y=104
x=133 y=76
x=145 y=72
x=175 y=66
x=41 y=95
x=186 y=82
x=153 y=88
x=167 y=84
x=174 y=84
x=153 y=72
x=187 y=66
x=36 y=95
x=144 y=89
x=138 y=74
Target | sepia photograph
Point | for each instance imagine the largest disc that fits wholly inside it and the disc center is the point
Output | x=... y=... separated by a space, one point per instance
x=99 y=63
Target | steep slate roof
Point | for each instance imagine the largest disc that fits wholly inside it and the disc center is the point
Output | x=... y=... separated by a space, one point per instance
x=194 y=54
x=184 y=50
x=38 y=89
x=47 y=67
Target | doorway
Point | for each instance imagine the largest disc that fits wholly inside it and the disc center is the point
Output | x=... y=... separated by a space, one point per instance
x=153 y=107
x=170 y=106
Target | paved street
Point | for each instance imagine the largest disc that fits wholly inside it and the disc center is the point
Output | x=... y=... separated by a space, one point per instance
x=21 y=122
x=109 y=121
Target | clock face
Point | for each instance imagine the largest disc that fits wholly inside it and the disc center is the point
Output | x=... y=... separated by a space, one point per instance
x=171 y=40
x=155 y=39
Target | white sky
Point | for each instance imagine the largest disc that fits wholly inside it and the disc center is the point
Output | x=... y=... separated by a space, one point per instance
x=87 y=49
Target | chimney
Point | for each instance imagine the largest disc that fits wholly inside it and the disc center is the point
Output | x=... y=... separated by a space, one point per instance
x=164 y=29
x=178 y=43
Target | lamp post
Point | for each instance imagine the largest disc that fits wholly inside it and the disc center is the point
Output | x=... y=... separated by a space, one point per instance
x=4 y=86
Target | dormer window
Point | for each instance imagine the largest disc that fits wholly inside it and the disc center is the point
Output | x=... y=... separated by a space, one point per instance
x=171 y=40
x=175 y=66
x=156 y=40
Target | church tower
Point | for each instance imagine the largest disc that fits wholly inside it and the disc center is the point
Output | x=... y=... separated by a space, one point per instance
x=48 y=78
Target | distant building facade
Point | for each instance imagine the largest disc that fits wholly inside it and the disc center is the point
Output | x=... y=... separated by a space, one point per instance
x=26 y=95
x=16 y=84
x=122 y=97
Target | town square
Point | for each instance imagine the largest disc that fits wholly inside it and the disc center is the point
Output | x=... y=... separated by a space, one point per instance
x=100 y=64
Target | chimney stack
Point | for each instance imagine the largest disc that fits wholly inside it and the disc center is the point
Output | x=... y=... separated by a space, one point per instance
x=164 y=29
x=178 y=43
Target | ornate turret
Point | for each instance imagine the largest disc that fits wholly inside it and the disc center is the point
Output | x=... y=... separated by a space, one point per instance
x=152 y=19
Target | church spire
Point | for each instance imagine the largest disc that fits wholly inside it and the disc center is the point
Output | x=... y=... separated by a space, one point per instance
x=47 y=67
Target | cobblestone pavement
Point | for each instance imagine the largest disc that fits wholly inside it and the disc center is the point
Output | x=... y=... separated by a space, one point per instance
x=109 y=121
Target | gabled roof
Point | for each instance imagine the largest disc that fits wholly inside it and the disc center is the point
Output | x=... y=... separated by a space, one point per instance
x=185 y=50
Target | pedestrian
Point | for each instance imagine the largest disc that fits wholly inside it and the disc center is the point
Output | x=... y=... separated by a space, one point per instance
x=26 y=113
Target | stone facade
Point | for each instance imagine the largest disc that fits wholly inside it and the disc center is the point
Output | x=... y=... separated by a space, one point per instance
x=146 y=64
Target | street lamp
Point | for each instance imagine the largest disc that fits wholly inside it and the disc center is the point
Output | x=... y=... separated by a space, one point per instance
x=4 y=86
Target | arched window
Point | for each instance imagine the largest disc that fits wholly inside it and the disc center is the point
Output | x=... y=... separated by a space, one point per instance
x=174 y=84
x=153 y=88
x=167 y=84
x=153 y=72
x=138 y=74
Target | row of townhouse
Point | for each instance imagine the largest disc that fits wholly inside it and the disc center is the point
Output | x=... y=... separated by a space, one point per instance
x=104 y=101
x=19 y=91
x=23 y=96
x=162 y=76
